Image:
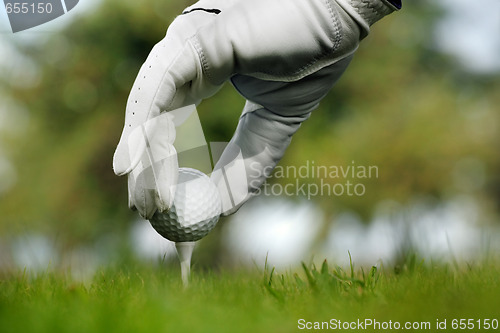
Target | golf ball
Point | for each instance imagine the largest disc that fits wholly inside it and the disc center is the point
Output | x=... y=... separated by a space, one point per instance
x=195 y=210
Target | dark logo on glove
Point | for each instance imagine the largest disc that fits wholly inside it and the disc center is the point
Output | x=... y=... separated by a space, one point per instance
x=26 y=14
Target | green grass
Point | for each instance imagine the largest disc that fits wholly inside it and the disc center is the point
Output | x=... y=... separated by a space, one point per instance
x=141 y=298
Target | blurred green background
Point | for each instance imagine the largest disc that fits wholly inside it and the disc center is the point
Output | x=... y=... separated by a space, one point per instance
x=412 y=103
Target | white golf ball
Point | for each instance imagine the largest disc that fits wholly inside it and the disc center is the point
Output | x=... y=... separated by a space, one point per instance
x=195 y=211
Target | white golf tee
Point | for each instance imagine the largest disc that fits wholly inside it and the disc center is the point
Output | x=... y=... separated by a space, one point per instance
x=184 y=252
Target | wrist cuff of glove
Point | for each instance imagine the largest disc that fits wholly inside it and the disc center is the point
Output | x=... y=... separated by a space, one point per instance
x=369 y=11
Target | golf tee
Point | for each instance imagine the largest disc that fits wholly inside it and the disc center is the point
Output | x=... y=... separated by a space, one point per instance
x=184 y=253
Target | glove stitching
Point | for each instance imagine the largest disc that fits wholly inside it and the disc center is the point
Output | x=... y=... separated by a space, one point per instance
x=337 y=26
x=203 y=59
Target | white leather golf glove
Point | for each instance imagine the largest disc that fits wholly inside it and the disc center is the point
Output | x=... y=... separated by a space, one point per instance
x=282 y=55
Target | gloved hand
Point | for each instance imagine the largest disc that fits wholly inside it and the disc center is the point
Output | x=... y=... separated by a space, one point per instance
x=282 y=55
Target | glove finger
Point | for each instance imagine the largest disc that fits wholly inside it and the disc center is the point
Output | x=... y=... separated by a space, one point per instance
x=159 y=134
x=140 y=108
x=170 y=65
x=259 y=142
x=152 y=181
x=141 y=193
x=131 y=190
x=165 y=178
x=230 y=177
x=151 y=191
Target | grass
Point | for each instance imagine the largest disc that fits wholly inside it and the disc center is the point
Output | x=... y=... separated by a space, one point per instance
x=141 y=298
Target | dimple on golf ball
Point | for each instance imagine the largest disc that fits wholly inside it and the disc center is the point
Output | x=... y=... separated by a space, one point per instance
x=195 y=210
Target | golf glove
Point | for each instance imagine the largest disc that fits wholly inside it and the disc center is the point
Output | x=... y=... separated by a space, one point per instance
x=282 y=55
